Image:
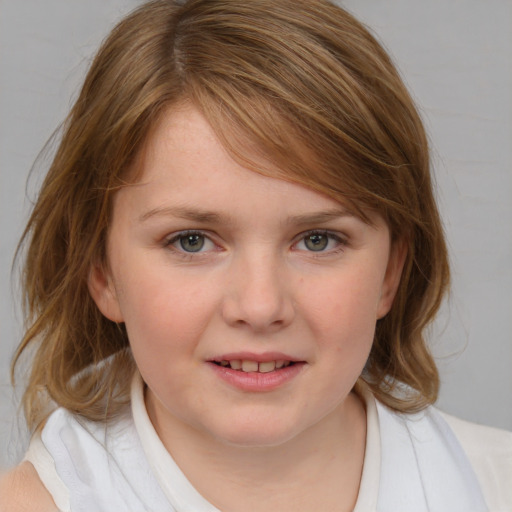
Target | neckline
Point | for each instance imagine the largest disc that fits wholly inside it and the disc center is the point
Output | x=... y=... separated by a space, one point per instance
x=183 y=496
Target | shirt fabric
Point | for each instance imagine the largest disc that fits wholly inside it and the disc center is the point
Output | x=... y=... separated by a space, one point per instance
x=426 y=462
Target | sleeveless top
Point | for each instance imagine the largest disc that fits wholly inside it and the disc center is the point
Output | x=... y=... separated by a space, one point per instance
x=412 y=462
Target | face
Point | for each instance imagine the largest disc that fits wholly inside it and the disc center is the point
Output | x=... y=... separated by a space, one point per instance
x=250 y=302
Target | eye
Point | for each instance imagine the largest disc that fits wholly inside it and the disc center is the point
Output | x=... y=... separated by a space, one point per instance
x=316 y=242
x=191 y=242
x=319 y=241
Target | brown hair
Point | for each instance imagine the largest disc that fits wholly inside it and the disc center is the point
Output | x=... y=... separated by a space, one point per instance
x=300 y=82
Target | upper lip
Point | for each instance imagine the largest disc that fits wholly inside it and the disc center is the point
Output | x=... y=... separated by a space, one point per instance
x=251 y=356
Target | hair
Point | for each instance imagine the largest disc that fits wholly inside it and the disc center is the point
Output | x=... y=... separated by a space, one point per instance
x=299 y=82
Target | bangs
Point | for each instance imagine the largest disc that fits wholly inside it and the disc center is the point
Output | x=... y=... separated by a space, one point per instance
x=317 y=103
x=266 y=139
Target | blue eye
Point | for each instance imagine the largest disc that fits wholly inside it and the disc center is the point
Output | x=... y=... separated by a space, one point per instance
x=191 y=242
x=319 y=241
x=316 y=242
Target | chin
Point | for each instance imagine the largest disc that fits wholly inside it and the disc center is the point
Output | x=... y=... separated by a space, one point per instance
x=259 y=434
x=256 y=440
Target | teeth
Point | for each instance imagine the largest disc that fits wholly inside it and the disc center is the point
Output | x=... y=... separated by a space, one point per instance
x=266 y=367
x=253 y=366
x=249 y=366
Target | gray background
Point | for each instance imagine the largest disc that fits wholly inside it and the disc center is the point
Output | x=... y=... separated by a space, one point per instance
x=456 y=56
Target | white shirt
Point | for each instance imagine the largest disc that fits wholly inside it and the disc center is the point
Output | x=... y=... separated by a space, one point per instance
x=425 y=462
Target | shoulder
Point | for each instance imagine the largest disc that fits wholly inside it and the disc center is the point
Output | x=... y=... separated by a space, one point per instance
x=490 y=453
x=451 y=458
x=21 y=490
x=483 y=445
x=479 y=439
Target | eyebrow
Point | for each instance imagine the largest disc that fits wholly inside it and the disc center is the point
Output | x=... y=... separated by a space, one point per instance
x=182 y=212
x=205 y=216
x=320 y=217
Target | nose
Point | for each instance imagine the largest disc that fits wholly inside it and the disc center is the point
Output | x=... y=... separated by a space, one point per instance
x=258 y=295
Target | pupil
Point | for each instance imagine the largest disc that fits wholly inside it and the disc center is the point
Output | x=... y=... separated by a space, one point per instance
x=316 y=242
x=192 y=243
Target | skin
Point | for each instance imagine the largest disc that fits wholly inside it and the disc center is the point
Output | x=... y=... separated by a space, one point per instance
x=256 y=285
x=21 y=490
x=281 y=269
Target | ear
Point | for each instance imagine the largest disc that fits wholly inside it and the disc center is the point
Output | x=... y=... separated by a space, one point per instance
x=103 y=293
x=397 y=256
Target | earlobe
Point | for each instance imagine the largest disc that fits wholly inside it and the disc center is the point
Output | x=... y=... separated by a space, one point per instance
x=397 y=257
x=104 y=294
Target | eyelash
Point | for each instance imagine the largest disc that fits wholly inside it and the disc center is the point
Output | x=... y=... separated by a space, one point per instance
x=341 y=242
x=169 y=243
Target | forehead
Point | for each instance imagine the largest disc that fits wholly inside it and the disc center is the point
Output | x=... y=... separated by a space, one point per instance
x=183 y=158
x=185 y=172
x=183 y=139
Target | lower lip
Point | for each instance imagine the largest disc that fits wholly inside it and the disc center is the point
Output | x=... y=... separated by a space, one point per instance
x=256 y=381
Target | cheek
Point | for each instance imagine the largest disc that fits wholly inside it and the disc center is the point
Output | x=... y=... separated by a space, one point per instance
x=163 y=314
x=342 y=311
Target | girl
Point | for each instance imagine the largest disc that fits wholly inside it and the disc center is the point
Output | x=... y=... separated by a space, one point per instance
x=229 y=271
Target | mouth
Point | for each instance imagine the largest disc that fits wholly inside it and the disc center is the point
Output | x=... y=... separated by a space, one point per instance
x=256 y=373
x=251 y=366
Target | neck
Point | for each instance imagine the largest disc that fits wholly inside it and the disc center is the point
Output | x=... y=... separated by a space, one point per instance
x=319 y=469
